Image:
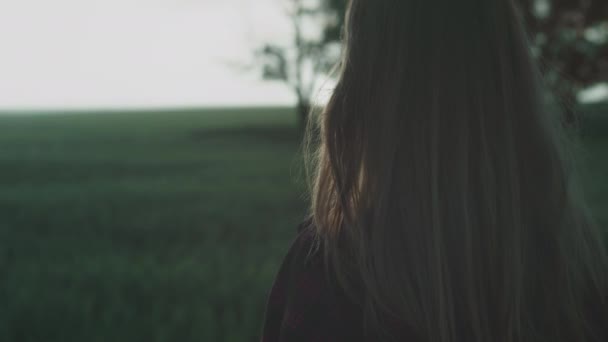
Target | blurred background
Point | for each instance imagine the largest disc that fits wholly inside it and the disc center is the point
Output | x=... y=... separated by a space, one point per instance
x=150 y=171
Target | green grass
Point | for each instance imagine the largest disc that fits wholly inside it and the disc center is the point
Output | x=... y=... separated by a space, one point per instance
x=144 y=226
x=158 y=226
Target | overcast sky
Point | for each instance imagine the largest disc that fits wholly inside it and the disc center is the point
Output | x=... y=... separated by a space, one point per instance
x=57 y=54
x=136 y=53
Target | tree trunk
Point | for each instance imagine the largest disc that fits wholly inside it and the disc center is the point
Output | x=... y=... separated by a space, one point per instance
x=303 y=110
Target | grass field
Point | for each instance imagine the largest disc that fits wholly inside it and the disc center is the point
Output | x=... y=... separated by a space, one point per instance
x=158 y=226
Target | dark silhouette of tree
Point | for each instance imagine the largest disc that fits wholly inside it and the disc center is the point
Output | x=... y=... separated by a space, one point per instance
x=569 y=37
x=310 y=57
x=570 y=40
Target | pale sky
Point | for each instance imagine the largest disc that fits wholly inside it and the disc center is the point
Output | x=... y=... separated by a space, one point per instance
x=57 y=54
x=136 y=53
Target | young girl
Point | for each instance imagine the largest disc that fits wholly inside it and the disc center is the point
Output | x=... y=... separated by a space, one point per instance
x=445 y=204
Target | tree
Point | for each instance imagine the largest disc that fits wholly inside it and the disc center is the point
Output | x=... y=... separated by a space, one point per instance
x=312 y=55
x=570 y=39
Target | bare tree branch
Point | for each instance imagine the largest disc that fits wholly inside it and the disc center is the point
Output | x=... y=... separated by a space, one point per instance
x=301 y=66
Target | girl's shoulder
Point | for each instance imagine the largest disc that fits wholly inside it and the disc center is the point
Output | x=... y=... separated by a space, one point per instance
x=302 y=305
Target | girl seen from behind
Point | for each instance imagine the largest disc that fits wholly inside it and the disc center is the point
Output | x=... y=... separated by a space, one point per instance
x=445 y=197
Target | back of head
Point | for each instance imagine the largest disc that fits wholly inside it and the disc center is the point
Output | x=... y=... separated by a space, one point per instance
x=445 y=188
